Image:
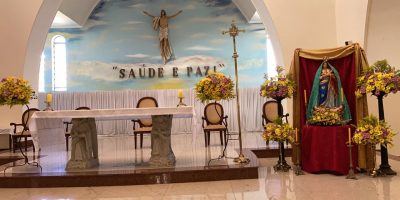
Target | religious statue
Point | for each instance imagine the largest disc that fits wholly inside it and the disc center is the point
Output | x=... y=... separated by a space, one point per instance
x=84 y=144
x=327 y=93
x=161 y=23
x=328 y=90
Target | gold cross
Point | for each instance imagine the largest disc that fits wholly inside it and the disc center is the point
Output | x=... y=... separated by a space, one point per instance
x=233 y=30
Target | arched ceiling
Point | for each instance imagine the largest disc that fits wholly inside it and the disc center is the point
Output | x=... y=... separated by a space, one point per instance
x=74 y=13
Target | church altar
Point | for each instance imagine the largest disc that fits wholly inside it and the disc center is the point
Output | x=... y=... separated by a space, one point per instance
x=324 y=149
x=84 y=119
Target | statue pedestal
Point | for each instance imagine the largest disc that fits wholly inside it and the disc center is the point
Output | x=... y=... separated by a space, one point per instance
x=161 y=151
x=84 y=153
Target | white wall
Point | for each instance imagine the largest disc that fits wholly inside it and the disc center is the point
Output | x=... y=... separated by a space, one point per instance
x=351 y=21
x=382 y=42
x=16 y=20
x=308 y=24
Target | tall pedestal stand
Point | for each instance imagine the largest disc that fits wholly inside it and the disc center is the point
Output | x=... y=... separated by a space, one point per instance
x=282 y=164
x=384 y=168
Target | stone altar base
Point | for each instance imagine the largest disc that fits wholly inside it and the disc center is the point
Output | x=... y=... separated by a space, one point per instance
x=161 y=150
x=84 y=153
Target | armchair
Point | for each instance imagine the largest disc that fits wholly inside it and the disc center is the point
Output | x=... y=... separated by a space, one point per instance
x=24 y=133
x=270 y=113
x=145 y=125
x=67 y=129
x=214 y=120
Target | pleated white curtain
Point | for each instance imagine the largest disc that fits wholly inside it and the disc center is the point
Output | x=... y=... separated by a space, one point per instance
x=250 y=105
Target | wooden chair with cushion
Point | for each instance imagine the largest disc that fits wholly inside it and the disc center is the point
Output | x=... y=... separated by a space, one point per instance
x=68 y=129
x=145 y=125
x=214 y=120
x=24 y=133
x=270 y=113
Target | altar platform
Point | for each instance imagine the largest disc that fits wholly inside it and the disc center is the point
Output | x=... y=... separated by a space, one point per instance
x=121 y=164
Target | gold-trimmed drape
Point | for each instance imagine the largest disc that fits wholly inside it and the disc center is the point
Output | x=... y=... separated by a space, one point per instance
x=361 y=64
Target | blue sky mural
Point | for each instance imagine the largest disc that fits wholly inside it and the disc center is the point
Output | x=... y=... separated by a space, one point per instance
x=119 y=36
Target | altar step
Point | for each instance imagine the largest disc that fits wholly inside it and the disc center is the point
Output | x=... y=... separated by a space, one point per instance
x=133 y=177
x=270 y=152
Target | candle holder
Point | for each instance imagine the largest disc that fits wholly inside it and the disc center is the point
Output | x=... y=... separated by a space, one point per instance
x=180 y=104
x=48 y=106
x=351 y=174
x=297 y=167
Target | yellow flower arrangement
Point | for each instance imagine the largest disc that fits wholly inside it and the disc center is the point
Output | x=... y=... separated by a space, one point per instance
x=215 y=86
x=371 y=130
x=379 y=78
x=14 y=91
x=279 y=87
x=278 y=131
x=326 y=116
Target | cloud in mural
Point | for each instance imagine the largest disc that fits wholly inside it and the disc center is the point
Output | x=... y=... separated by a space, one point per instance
x=156 y=57
x=93 y=23
x=139 y=55
x=198 y=60
x=95 y=70
x=217 y=3
x=199 y=35
x=248 y=79
x=189 y=7
x=220 y=18
x=201 y=48
x=250 y=64
x=149 y=37
x=134 y=22
x=217 y=41
x=137 y=5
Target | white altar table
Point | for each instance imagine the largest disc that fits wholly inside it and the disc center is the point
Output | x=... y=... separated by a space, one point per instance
x=107 y=114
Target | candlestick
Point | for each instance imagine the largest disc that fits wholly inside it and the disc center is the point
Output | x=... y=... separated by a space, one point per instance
x=349 y=135
x=297 y=136
x=180 y=93
x=350 y=174
x=305 y=97
x=341 y=90
x=49 y=98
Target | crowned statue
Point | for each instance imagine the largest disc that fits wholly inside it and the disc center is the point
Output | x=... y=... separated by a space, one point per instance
x=327 y=95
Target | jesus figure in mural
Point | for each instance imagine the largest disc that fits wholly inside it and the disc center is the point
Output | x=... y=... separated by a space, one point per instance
x=161 y=22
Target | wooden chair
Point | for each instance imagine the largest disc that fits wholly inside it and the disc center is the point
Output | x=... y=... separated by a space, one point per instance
x=270 y=113
x=68 y=124
x=215 y=120
x=25 y=133
x=145 y=125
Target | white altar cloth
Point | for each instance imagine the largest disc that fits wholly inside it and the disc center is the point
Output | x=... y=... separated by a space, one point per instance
x=108 y=114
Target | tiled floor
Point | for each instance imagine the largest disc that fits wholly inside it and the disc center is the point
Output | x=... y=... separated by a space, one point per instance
x=118 y=153
x=270 y=185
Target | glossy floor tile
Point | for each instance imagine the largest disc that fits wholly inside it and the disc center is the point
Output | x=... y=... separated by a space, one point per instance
x=118 y=152
x=270 y=185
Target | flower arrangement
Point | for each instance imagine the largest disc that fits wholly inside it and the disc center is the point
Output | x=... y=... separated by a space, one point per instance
x=215 y=86
x=371 y=130
x=379 y=78
x=14 y=91
x=279 y=87
x=326 y=116
x=278 y=131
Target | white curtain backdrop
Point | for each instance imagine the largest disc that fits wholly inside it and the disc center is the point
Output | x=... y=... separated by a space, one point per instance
x=250 y=105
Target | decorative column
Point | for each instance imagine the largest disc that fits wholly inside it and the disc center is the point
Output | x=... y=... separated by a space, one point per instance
x=282 y=164
x=384 y=168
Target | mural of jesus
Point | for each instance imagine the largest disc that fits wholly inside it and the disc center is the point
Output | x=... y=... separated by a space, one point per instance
x=161 y=23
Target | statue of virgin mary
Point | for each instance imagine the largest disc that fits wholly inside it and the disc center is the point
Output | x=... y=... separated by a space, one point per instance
x=326 y=93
